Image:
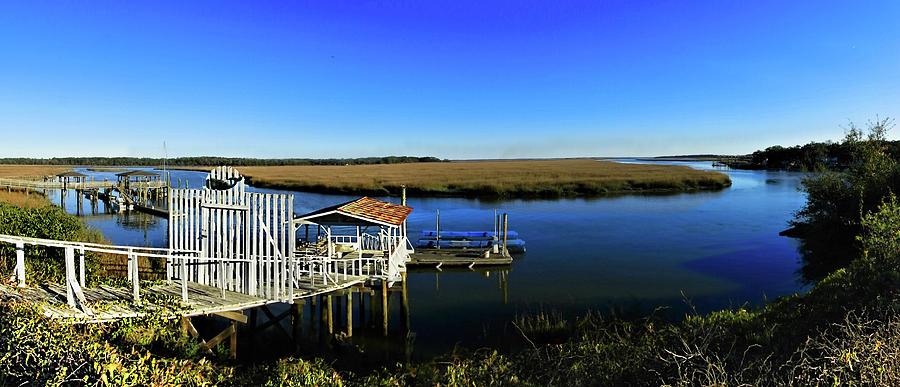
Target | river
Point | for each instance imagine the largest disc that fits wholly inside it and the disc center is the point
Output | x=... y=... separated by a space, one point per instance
x=631 y=254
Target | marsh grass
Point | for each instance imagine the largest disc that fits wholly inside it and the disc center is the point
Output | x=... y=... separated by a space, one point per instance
x=514 y=178
x=30 y=171
x=20 y=198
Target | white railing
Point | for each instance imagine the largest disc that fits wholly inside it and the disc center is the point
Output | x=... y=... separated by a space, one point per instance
x=36 y=184
x=368 y=241
x=75 y=281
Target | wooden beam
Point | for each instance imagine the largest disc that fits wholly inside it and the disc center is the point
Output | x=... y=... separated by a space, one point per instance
x=234 y=316
x=224 y=334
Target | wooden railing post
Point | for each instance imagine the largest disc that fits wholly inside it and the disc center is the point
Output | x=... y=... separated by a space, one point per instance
x=20 y=263
x=81 y=267
x=70 y=271
x=184 y=279
x=136 y=279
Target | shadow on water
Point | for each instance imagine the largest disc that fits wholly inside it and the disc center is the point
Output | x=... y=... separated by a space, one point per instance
x=824 y=251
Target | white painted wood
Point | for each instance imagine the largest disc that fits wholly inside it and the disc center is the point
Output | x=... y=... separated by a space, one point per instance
x=20 y=263
x=70 y=271
x=81 y=267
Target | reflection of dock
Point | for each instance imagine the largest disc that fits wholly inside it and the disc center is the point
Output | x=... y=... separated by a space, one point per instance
x=457 y=257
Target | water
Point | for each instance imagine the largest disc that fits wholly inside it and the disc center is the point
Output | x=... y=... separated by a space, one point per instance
x=632 y=253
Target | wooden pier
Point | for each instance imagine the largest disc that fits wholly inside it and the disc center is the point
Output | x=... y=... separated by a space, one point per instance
x=229 y=250
x=111 y=303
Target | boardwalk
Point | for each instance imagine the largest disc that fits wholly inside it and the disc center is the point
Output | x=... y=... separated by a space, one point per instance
x=228 y=250
x=87 y=185
x=109 y=303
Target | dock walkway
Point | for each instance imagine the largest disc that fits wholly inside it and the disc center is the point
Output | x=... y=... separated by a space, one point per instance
x=111 y=303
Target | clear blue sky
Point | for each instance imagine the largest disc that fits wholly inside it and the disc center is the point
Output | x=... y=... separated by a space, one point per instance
x=453 y=79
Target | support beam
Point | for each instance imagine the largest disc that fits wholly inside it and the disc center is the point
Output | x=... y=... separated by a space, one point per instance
x=350 y=314
x=384 y=307
x=329 y=314
x=234 y=316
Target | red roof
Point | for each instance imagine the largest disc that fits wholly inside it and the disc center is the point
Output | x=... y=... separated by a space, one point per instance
x=366 y=208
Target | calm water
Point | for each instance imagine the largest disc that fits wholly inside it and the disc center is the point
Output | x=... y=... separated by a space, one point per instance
x=633 y=253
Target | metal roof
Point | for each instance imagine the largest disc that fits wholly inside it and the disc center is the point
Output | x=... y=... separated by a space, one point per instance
x=360 y=212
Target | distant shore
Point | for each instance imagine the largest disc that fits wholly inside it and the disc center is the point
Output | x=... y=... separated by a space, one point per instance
x=487 y=179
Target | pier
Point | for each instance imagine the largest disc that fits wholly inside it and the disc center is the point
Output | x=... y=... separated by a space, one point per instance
x=229 y=251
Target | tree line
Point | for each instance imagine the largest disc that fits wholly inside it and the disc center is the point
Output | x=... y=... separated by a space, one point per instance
x=810 y=157
x=202 y=161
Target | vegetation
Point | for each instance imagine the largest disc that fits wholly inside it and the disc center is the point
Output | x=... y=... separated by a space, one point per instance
x=837 y=200
x=21 y=171
x=21 y=198
x=844 y=331
x=210 y=160
x=815 y=156
x=501 y=179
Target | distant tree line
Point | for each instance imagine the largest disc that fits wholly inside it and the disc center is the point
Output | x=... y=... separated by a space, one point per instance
x=809 y=157
x=200 y=161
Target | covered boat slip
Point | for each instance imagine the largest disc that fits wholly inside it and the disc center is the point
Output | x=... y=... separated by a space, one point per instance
x=368 y=231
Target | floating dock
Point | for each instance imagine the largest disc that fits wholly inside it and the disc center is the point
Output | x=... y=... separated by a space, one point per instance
x=456 y=257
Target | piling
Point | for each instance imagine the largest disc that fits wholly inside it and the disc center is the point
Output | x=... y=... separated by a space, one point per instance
x=505 y=218
x=350 y=313
x=328 y=314
x=384 y=307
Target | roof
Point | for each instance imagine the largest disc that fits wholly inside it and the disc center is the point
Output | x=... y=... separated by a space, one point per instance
x=137 y=173
x=71 y=174
x=360 y=212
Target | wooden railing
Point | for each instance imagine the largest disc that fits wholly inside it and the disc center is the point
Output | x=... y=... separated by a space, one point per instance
x=278 y=276
x=36 y=184
x=75 y=279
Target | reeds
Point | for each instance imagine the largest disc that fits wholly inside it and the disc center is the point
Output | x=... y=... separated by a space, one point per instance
x=515 y=178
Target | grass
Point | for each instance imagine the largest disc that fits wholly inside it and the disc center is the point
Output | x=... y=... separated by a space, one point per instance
x=515 y=178
x=22 y=171
x=21 y=198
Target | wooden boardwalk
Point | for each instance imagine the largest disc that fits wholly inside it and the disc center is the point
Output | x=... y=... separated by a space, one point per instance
x=109 y=303
x=87 y=185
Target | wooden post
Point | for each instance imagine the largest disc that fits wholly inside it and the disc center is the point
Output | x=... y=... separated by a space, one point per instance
x=328 y=314
x=384 y=307
x=297 y=319
x=135 y=271
x=233 y=340
x=81 y=267
x=184 y=279
x=20 y=263
x=362 y=307
x=505 y=251
x=349 y=313
x=405 y=302
x=70 y=270
x=437 y=236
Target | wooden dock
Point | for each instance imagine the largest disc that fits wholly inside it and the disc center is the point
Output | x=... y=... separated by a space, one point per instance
x=111 y=303
x=457 y=257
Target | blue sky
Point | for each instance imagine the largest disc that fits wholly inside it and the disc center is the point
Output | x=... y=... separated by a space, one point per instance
x=453 y=79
